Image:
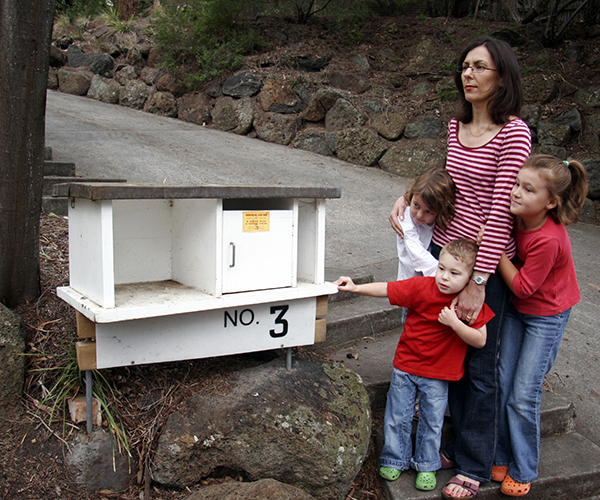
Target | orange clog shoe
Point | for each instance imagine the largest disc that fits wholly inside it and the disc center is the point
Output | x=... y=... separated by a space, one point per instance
x=499 y=473
x=511 y=488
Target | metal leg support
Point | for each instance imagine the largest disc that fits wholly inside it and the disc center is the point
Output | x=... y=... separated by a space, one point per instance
x=88 y=400
x=288 y=359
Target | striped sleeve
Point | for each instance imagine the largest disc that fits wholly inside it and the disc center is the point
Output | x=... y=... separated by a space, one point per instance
x=484 y=177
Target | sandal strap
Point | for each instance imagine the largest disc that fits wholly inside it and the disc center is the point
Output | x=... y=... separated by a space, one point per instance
x=470 y=487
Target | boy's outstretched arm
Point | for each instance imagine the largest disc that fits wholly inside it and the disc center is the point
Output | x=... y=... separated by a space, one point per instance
x=475 y=337
x=345 y=284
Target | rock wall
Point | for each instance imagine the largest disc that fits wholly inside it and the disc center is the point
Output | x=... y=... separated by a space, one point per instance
x=343 y=113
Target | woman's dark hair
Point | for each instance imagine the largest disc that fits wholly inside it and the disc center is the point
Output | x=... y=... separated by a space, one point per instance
x=509 y=97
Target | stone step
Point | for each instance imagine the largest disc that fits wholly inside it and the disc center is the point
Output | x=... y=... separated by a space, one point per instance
x=569 y=470
x=356 y=317
x=372 y=359
x=58 y=204
x=51 y=180
x=59 y=168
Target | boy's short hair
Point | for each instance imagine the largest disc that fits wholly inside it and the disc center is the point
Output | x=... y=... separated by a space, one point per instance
x=463 y=250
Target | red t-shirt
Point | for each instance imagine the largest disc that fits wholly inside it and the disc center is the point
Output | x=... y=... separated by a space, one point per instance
x=546 y=283
x=426 y=347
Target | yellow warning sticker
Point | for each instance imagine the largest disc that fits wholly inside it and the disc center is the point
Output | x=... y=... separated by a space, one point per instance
x=256 y=222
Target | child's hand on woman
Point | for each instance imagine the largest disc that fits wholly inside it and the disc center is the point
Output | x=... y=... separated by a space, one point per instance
x=448 y=317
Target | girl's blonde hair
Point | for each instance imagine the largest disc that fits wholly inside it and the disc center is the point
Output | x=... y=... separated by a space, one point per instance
x=567 y=184
x=436 y=189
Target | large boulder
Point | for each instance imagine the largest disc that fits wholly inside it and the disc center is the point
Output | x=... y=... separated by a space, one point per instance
x=74 y=82
x=361 y=146
x=277 y=128
x=97 y=463
x=265 y=489
x=308 y=427
x=343 y=115
x=410 y=158
x=12 y=362
x=233 y=115
x=278 y=97
x=104 y=90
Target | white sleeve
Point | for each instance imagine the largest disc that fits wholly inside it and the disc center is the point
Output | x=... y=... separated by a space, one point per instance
x=419 y=257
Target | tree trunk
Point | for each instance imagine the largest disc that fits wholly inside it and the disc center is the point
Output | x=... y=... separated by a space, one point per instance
x=126 y=9
x=25 y=33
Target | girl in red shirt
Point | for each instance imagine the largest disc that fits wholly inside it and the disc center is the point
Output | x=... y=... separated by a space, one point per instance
x=547 y=195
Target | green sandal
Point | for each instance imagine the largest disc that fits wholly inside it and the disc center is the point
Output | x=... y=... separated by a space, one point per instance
x=389 y=474
x=425 y=481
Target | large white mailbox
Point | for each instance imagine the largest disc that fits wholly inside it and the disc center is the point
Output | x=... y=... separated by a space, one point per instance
x=166 y=273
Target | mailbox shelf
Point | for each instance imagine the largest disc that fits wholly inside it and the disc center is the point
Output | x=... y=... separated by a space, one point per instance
x=165 y=273
x=165 y=298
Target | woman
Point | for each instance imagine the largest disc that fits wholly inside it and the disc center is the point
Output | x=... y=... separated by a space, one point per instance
x=487 y=144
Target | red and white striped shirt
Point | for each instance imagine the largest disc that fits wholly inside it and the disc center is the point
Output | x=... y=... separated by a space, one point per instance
x=484 y=177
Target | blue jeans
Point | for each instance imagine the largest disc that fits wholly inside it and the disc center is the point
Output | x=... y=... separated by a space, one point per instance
x=397 y=426
x=474 y=399
x=527 y=352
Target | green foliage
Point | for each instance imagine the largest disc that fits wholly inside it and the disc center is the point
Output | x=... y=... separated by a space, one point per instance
x=203 y=37
x=69 y=382
x=448 y=94
x=74 y=9
x=112 y=19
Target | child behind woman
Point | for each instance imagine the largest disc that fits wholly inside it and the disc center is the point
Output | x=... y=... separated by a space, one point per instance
x=430 y=201
x=431 y=351
x=547 y=195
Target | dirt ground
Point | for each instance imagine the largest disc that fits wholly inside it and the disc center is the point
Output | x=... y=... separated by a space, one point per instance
x=32 y=462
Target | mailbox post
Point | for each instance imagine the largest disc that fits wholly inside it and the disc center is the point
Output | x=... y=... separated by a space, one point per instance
x=167 y=273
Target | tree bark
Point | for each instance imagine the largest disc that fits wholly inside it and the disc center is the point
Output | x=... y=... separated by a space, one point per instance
x=25 y=33
x=126 y=9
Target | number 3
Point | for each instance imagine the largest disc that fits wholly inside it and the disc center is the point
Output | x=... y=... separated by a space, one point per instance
x=279 y=320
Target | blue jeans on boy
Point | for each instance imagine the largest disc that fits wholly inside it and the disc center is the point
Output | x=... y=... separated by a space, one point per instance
x=397 y=451
x=474 y=399
x=528 y=347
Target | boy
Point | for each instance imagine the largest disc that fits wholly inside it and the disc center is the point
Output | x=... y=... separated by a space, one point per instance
x=431 y=351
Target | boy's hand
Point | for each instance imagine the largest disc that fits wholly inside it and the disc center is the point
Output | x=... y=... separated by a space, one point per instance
x=448 y=317
x=344 y=283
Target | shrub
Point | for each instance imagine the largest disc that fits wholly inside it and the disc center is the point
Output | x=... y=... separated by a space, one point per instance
x=203 y=37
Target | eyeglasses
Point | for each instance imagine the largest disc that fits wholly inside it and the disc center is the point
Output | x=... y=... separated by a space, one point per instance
x=476 y=69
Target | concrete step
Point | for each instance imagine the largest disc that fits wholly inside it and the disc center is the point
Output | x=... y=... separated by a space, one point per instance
x=569 y=470
x=59 y=205
x=371 y=358
x=357 y=316
x=59 y=168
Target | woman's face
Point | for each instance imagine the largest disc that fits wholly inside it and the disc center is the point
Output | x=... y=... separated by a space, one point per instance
x=479 y=87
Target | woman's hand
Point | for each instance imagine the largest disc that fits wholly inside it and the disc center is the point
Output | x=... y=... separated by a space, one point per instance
x=398 y=211
x=469 y=302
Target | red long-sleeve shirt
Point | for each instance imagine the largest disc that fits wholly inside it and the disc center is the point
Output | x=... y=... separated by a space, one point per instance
x=546 y=283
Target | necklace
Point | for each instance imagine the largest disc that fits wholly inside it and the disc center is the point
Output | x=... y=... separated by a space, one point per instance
x=468 y=127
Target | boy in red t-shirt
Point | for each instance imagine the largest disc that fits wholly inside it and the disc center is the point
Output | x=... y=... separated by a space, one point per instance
x=431 y=351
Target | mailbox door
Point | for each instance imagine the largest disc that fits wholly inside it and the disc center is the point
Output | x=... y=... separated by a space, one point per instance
x=257 y=249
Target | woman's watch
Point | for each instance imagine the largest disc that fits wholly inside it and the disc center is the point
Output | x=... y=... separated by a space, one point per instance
x=479 y=280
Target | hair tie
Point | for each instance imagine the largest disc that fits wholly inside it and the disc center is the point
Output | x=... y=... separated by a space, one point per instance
x=566 y=163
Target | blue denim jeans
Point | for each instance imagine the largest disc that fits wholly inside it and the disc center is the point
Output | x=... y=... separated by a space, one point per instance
x=528 y=349
x=474 y=399
x=397 y=451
